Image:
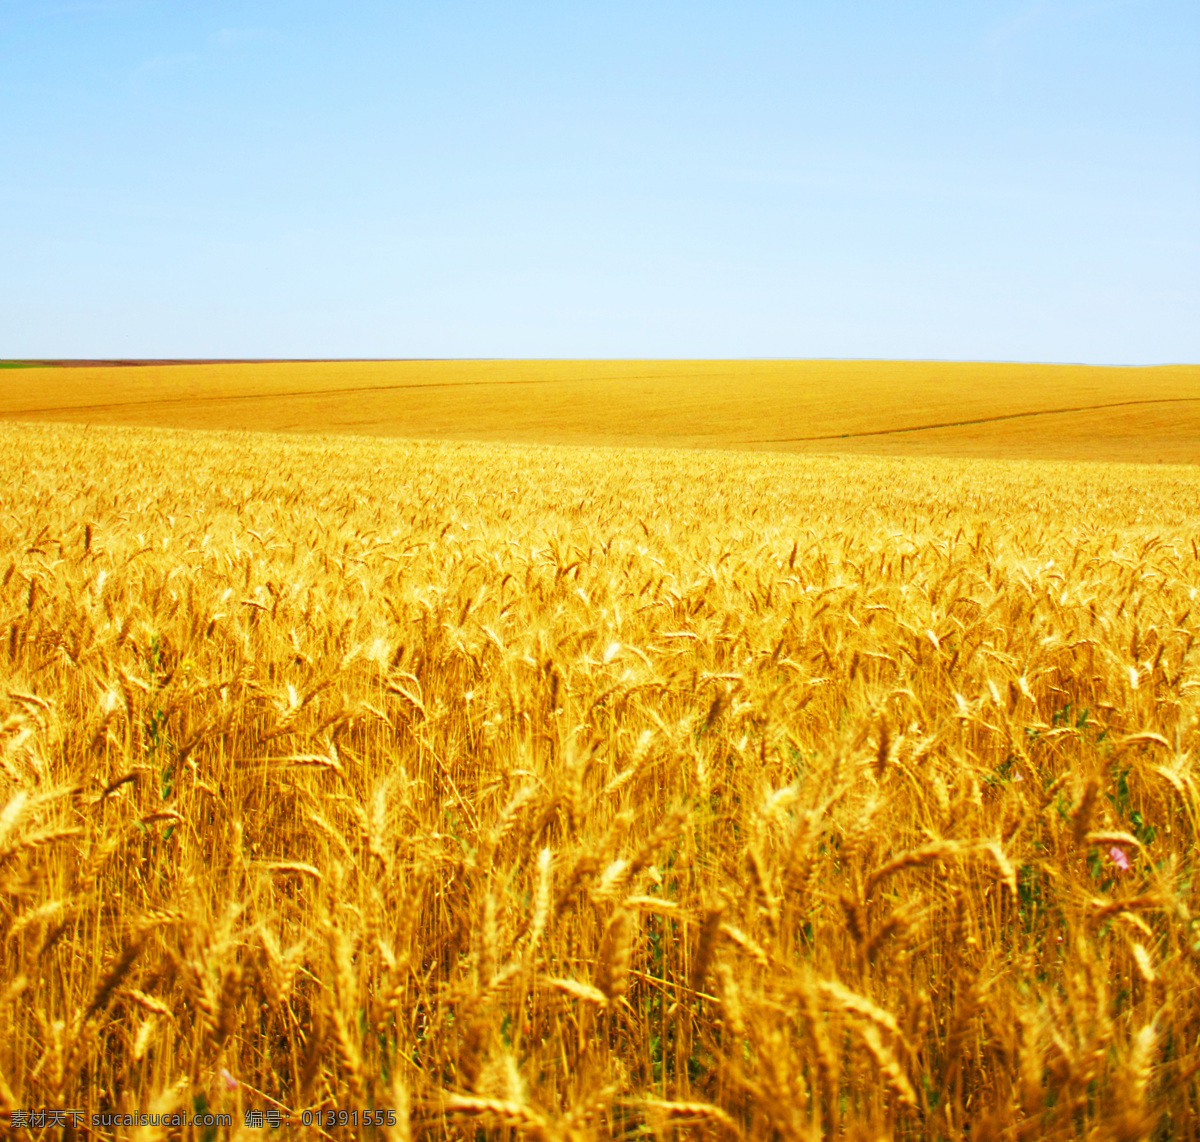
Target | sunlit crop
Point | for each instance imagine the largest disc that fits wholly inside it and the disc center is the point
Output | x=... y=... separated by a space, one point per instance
x=594 y=794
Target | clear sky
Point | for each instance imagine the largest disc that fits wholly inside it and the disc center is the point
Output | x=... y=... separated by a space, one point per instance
x=974 y=179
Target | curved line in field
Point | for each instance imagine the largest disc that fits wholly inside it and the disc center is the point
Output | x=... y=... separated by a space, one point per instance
x=979 y=420
x=279 y=396
x=214 y=398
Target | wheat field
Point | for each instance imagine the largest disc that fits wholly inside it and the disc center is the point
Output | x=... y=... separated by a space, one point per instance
x=577 y=793
x=995 y=410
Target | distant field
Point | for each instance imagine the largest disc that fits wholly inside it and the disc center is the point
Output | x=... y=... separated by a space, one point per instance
x=1065 y=412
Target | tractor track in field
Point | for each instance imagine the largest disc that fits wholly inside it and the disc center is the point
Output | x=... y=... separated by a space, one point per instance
x=977 y=420
x=345 y=390
x=214 y=398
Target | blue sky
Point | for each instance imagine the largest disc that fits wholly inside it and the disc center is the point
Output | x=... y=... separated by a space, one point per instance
x=957 y=179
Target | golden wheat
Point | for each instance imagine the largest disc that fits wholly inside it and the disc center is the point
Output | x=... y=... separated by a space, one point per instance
x=578 y=794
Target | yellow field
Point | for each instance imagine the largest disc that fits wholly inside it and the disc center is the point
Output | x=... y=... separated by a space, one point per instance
x=574 y=794
x=882 y=407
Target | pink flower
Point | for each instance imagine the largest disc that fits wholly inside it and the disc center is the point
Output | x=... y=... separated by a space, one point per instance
x=1120 y=859
x=229 y=1081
